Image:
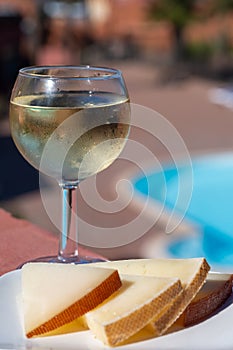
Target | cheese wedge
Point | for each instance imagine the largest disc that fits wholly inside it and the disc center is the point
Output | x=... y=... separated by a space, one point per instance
x=191 y=272
x=56 y=294
x=132 y=307
x=211 y=297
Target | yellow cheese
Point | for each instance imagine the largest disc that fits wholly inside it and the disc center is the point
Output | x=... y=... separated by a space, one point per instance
x=191 y=272
x=56 y=294
x=135 y=304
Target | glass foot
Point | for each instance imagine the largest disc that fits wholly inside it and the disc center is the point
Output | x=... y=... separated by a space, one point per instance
x=68 y=260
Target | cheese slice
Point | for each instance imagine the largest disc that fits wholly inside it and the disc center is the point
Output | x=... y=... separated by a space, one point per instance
x=191 y=272
x=56 y=294
x=132 y=307
x=211 y=297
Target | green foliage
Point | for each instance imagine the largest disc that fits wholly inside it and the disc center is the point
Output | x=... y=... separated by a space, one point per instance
x=177 y=12
x=222 y=6
x=181 y=12
x=202 y=51
x=199 y=51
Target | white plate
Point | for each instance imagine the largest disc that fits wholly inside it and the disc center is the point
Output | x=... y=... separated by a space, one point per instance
x=215 y=333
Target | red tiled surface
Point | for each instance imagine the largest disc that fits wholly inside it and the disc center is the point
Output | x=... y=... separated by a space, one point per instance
x=21 y=241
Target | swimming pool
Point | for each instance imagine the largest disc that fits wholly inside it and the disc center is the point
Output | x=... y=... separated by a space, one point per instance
x=211 y=205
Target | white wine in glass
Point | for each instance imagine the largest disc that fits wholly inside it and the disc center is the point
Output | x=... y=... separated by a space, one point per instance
x=69 y=122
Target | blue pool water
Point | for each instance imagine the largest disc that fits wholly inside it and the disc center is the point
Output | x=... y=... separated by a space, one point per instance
x=211 y=205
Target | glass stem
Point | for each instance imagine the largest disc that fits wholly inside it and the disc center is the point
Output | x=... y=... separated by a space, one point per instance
x=68 y=247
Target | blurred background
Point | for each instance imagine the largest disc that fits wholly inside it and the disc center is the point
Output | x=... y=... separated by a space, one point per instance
x=176 y=57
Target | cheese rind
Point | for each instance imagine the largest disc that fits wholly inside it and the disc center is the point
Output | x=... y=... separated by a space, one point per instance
x=56 y=294
x=212 y=295
x=135 y=304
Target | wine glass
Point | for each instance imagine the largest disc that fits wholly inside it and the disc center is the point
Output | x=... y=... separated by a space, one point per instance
x=69 y=122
